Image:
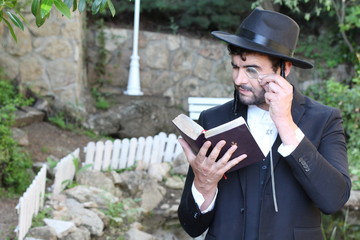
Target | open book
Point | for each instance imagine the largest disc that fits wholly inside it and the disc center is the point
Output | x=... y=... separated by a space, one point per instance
x=233 y=132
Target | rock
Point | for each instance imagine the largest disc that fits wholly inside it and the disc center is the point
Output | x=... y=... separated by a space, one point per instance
x=26 y=116
x=175 y=182
x=354 y=200
x=159 y=170
x=180 y=165
x=96 y=179
x=84 y=217
x=152 y=195
x=91 y=196
x=62 y=228
x=44 y=232
x=20 y=137
x=80 y=233
x=134 y=233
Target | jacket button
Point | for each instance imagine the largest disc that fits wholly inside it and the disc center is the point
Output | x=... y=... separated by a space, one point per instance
x=196 y=215
x=242 y=210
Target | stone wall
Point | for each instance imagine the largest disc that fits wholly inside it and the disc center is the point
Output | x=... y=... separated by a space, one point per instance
x=58 y=61
x=48 y=60
x=171 y=66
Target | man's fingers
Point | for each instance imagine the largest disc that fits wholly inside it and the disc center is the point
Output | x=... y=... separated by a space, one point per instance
x=233 y=162
x=216 y=150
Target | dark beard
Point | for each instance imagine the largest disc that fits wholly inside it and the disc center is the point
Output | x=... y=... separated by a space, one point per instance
x=257 y=99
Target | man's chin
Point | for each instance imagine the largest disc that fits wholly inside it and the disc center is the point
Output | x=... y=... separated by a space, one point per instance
x=246 y=100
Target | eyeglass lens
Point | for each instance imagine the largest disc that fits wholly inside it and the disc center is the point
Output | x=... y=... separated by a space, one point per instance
x=252 y=73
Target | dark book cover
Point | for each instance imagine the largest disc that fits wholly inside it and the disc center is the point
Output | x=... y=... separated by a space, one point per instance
x=246 y=143
x=239 y=135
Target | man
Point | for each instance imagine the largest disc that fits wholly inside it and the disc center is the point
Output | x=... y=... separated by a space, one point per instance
x=305 y=171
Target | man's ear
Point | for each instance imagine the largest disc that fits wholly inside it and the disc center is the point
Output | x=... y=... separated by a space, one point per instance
x=288 y=66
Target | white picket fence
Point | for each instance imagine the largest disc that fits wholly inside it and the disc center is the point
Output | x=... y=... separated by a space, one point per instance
x=30 y=203
x=125 y=153
x=101 y=155
x=65 y=171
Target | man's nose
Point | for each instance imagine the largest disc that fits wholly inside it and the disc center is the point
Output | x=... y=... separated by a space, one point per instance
x=240 y=77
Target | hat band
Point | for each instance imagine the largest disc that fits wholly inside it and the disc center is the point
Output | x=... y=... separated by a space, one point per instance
x=260 y=39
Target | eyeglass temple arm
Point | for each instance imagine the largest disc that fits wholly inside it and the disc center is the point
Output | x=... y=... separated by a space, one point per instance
x=282 y=68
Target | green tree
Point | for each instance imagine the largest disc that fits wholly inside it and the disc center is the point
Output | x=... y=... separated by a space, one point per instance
x=10 y=10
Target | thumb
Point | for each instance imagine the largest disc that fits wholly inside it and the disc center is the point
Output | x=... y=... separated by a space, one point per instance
x=186 y=148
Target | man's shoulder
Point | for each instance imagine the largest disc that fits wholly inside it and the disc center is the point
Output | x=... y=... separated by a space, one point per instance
x=223 y=108
x=217 y=115
x=312 y=105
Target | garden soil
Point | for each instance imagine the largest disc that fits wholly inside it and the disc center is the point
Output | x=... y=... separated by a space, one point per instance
x=44 y=140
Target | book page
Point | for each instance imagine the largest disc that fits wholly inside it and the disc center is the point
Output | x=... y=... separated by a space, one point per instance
x=188 y=126
x=225 y=127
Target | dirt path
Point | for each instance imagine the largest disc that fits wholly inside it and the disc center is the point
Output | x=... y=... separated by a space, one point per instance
x=44 y=140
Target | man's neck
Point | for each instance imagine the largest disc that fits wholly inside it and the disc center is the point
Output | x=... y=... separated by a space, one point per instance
x=263 y=106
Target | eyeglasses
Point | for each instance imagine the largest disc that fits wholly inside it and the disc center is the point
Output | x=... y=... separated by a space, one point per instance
x=252 y=73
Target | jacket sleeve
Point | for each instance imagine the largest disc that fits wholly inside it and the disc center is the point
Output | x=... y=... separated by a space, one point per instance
x=322 y=169
x=190 y=216
x=192 y=220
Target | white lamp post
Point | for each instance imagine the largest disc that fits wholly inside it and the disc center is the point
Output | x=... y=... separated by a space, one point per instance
x=133 y=87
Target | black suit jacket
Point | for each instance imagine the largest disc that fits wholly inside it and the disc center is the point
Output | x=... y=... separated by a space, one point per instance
x=313 y=178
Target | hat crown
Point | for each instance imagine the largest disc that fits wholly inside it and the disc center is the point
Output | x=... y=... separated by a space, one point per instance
x=267 y=32
x=271 y=29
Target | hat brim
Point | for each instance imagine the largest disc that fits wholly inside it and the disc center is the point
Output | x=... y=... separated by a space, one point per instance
x=252 y=46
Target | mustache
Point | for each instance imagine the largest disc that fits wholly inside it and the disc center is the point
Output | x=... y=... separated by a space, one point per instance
x=242 y=86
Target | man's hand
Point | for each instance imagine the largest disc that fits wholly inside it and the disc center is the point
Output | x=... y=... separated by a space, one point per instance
x=208 y=172
x=279 y=96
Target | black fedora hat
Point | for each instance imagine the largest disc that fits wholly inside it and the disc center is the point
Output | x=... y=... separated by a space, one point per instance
x=267 y=32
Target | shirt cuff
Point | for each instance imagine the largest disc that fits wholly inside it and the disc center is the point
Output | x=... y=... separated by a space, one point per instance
x=199 y=199
x=286 y=150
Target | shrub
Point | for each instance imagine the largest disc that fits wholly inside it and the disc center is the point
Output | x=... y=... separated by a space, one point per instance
x=14 y=163
x=347 y=99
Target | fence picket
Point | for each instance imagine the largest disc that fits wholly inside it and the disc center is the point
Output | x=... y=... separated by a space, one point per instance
x=155 y=149
x=147 y=151
x=162 y=144
x=132 y=152
x=170 y=151
x=90 y=153
x=99 y=155
x=124 y=153
x=65 y=171
x=140 y=149
x=115 y=160
x=107 y=155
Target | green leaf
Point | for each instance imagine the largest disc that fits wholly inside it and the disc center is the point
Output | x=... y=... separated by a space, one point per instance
x=45 y=7
x=68 y=3
x=15 y=20
x=111 y=7
x=82 y=5
x=38 y=19
x=97 y=2
x=95 y=8
x=62 y=8
x=103 y=4
x=74 y=5
x=10 y=29
x=35 y=7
